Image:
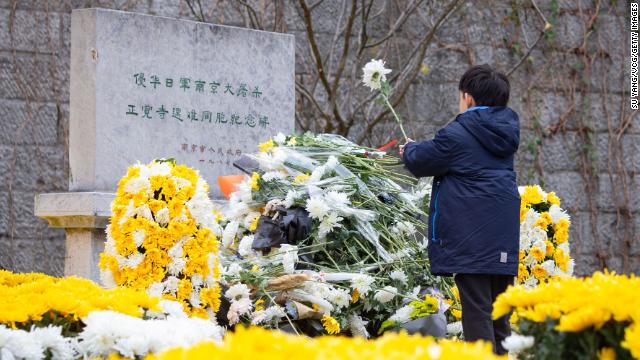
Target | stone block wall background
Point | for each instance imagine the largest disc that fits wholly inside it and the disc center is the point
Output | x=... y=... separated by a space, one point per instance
x=579 y=136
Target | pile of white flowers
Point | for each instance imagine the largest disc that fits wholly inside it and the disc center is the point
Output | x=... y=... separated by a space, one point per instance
x=353 y=197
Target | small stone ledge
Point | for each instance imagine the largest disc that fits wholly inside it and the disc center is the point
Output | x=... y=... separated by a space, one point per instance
x=75 y=209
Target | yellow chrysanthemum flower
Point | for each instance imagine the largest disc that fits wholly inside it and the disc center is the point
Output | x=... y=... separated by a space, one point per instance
x=539 y=272
x=254 y=223
x=331 y=325
x=254 y=181
x=607 y=353
x=266 y=146
x=544 y=220
x=553 y=199
x=532 y=195
x=537 y=253
x=456 y=313
x=301 y=179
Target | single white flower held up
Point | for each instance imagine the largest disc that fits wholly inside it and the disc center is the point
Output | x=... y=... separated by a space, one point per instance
x=374 y=73
x=374 y=76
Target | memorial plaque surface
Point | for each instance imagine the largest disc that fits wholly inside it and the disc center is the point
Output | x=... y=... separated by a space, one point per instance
x=146 y=87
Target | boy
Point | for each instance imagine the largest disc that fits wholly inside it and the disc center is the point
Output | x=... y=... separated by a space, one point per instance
x=475 y=206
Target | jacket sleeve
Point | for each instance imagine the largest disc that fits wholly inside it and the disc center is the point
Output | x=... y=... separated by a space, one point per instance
x=431 y=157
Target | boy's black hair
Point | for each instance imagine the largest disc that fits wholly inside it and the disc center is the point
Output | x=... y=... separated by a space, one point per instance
x=487 y=86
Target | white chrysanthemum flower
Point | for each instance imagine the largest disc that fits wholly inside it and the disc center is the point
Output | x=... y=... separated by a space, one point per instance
x=249 y=218
x=540 y=244
x=332 y=162
x=529 y=260
x=289 y=257
x=176 y=265
x=399 y=275
x=317 y=207
x=454 y=328
x=530 y=219
x=402 y=315
x=138 y=237
x=229 y=233
x=362 y=283
x=416 y=291
x=237 y=309
x=173 y=308
x=194 y=299
x=340 y=297
x=318 y=289
x=137 y=184
x=233 y=270
x=134 y=260
x=556 y=213
x=273 y=175
x=162 y=217
x=329 y=223
x=280 y=139
x=268 y=315
x=317 y=174
x=374 y=73
x=201 y=207
x=570 y=266
x=516 y=342
x=18 y=344
x=51 y=339
x=197 y=280
x=290 y=198
x=144 y=212
x=336 y=200
x=403 y=228
x=107 y=280
x=565 y=247
x=244 y=248
x=171 y=284
x=537 y=235
x=155 y=289
x=525 y=240
x=175 y=252
x=159 y=169
x=358 y=327
x=550 y=267
x=237 y=292
x=531 y=282
x=385 y=294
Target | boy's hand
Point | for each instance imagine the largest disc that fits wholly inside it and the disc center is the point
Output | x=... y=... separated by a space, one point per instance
x=402 y=147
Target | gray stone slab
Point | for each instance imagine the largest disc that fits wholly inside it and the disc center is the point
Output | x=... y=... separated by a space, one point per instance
x=74 y=209
x=115 y=59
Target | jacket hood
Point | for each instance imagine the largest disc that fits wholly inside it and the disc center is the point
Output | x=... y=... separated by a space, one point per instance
x=496 y=128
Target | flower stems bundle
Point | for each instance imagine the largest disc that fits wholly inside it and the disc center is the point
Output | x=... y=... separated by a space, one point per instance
x=324 y=237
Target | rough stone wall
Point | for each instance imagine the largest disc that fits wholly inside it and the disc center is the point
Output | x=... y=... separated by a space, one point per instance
x=579 y=137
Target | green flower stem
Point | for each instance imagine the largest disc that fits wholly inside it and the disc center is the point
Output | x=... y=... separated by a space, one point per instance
x=386 y=101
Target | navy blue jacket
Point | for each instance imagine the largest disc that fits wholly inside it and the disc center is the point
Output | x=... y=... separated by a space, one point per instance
x=474 y=217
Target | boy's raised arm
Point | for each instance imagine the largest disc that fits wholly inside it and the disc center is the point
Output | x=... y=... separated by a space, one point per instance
x=429 y=158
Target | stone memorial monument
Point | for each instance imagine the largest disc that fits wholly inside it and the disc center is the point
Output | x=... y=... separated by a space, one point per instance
x=146 y=87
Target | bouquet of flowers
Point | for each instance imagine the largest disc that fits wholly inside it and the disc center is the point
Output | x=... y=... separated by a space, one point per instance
x=162 y=237
x=544 y=237
x=324 y=238
x=575 y=318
